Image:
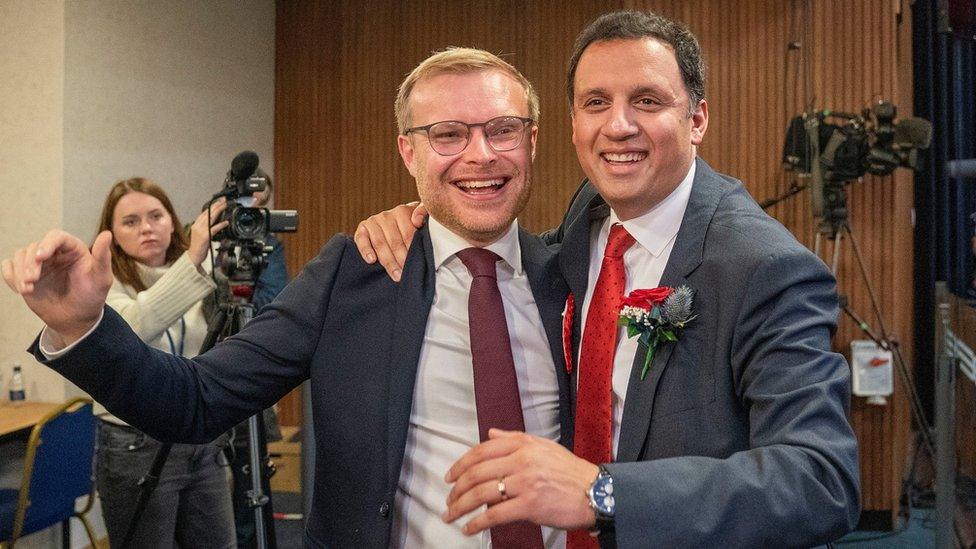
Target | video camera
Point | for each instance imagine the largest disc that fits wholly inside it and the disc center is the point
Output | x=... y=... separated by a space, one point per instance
x=246 y=222
x=834 y=153
x=870 y=142
x=244 y=245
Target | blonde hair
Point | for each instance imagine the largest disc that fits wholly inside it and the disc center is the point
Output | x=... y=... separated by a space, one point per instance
x=454 y=60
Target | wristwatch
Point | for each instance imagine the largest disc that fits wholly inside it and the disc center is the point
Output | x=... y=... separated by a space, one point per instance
x=602 y=500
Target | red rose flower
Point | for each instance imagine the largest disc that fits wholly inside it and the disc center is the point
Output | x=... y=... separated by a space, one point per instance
x=646 y=299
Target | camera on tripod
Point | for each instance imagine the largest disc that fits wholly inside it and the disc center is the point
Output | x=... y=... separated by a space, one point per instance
x=832 y=148
x=246 y=222
x=243 y=245
x=870 y=142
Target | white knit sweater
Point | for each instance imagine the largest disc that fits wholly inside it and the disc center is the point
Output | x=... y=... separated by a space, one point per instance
x=174 y=292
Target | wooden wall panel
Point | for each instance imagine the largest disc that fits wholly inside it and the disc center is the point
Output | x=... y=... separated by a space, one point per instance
x=339 y=63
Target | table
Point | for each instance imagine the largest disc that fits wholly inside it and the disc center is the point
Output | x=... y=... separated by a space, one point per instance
x=15 y=418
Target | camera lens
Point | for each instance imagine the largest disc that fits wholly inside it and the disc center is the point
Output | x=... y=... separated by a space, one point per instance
x=248 y=223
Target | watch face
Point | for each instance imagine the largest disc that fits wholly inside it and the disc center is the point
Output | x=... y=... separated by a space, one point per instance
x=603 y=495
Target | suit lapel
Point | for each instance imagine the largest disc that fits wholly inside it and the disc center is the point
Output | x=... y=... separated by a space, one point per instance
x=685 y=257
x=549 y=290
x=414 y=296
x=574 y=263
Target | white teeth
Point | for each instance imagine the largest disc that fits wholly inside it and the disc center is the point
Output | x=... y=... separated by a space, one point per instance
x=625 y=157
x=479 y=184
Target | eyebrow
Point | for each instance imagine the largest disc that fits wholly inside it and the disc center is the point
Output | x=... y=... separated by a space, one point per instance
x=640 y=90
x=136 y=216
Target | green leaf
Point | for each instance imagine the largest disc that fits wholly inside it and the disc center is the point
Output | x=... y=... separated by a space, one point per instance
x=668 y=335
x=632 y=330
x=647 y=360
x=623 y=321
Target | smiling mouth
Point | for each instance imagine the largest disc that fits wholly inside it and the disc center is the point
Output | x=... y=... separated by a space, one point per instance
x=623 y=158
x=481 y=186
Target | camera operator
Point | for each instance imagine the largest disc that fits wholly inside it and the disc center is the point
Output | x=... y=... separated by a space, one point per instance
x=274 y=277
x=160 y=280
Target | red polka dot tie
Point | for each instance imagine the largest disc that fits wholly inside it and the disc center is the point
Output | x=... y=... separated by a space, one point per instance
x=594 y=405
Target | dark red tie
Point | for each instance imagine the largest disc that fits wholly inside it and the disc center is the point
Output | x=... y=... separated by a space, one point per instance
x=593 y=436
x=496 y=391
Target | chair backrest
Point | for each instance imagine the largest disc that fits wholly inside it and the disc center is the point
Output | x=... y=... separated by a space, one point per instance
x=58 y=466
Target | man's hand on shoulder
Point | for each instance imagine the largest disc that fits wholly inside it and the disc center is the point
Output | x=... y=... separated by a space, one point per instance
x=386 y=236
x=520 y=477
x=63 y=282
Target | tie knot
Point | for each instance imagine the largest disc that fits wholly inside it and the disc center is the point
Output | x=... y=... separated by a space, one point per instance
x=619 y=241
x=479 y=261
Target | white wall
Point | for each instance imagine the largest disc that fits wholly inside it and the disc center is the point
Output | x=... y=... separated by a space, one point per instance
x=169 y=90
x=31 y=122
x=99 y=90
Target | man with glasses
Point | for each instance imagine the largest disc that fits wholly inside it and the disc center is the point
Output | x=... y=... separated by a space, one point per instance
x=405 y=377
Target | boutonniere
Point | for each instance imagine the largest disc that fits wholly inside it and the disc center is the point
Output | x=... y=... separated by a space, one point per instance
x=657 y=315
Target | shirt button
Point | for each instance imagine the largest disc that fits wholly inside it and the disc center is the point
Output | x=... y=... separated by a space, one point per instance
x=385 y=510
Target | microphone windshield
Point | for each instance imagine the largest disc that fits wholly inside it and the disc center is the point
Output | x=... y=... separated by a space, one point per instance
x=914 y=132
x=243 y=165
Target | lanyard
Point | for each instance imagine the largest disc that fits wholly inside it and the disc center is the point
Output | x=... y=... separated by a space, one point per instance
x=172 y=346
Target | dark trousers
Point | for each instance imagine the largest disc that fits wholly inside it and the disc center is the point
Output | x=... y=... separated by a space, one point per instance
x=191 y=505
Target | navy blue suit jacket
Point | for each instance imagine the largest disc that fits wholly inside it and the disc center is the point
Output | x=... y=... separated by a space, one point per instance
x=345 y=325
x=738 y=436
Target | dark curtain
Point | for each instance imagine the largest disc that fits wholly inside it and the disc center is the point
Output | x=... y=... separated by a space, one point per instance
x=945 y=94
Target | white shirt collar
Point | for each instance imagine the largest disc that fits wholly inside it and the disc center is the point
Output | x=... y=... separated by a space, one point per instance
x=446 y=244
x=656 y=228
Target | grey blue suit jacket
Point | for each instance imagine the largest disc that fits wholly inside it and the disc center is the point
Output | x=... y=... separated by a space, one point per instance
x=345 y=325
x=738 y=436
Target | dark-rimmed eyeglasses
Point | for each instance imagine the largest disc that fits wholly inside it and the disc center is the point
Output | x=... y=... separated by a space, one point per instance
x=450 y=137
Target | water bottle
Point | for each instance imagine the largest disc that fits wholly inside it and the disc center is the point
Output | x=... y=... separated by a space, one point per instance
x=17 y=393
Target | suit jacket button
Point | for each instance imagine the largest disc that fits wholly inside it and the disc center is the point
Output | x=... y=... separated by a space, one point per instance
x=385 y=510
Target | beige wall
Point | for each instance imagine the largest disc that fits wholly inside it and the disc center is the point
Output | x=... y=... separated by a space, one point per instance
x=170 y=90
x=31 y=149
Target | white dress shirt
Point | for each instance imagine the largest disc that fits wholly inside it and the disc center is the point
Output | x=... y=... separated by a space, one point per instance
x=443 y=418
x=655 y=233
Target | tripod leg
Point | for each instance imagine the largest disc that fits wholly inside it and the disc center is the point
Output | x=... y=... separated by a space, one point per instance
x=867 y=282
x=838 y=240
x=259 y=496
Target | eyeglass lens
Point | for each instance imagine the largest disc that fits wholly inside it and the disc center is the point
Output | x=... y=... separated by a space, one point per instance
x=503 y=134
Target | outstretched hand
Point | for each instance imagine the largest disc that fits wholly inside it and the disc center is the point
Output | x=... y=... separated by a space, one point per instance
x=520 y=477
x=63 y=282
x=386 y=236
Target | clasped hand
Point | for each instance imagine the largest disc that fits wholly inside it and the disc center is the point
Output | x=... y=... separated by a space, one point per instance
x=520 y=477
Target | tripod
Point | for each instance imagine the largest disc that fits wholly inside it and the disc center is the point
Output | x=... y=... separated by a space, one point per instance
x=228 y=320
x=834 y=224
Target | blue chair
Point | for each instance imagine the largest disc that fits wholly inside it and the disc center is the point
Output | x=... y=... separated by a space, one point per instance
x=57 y=471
